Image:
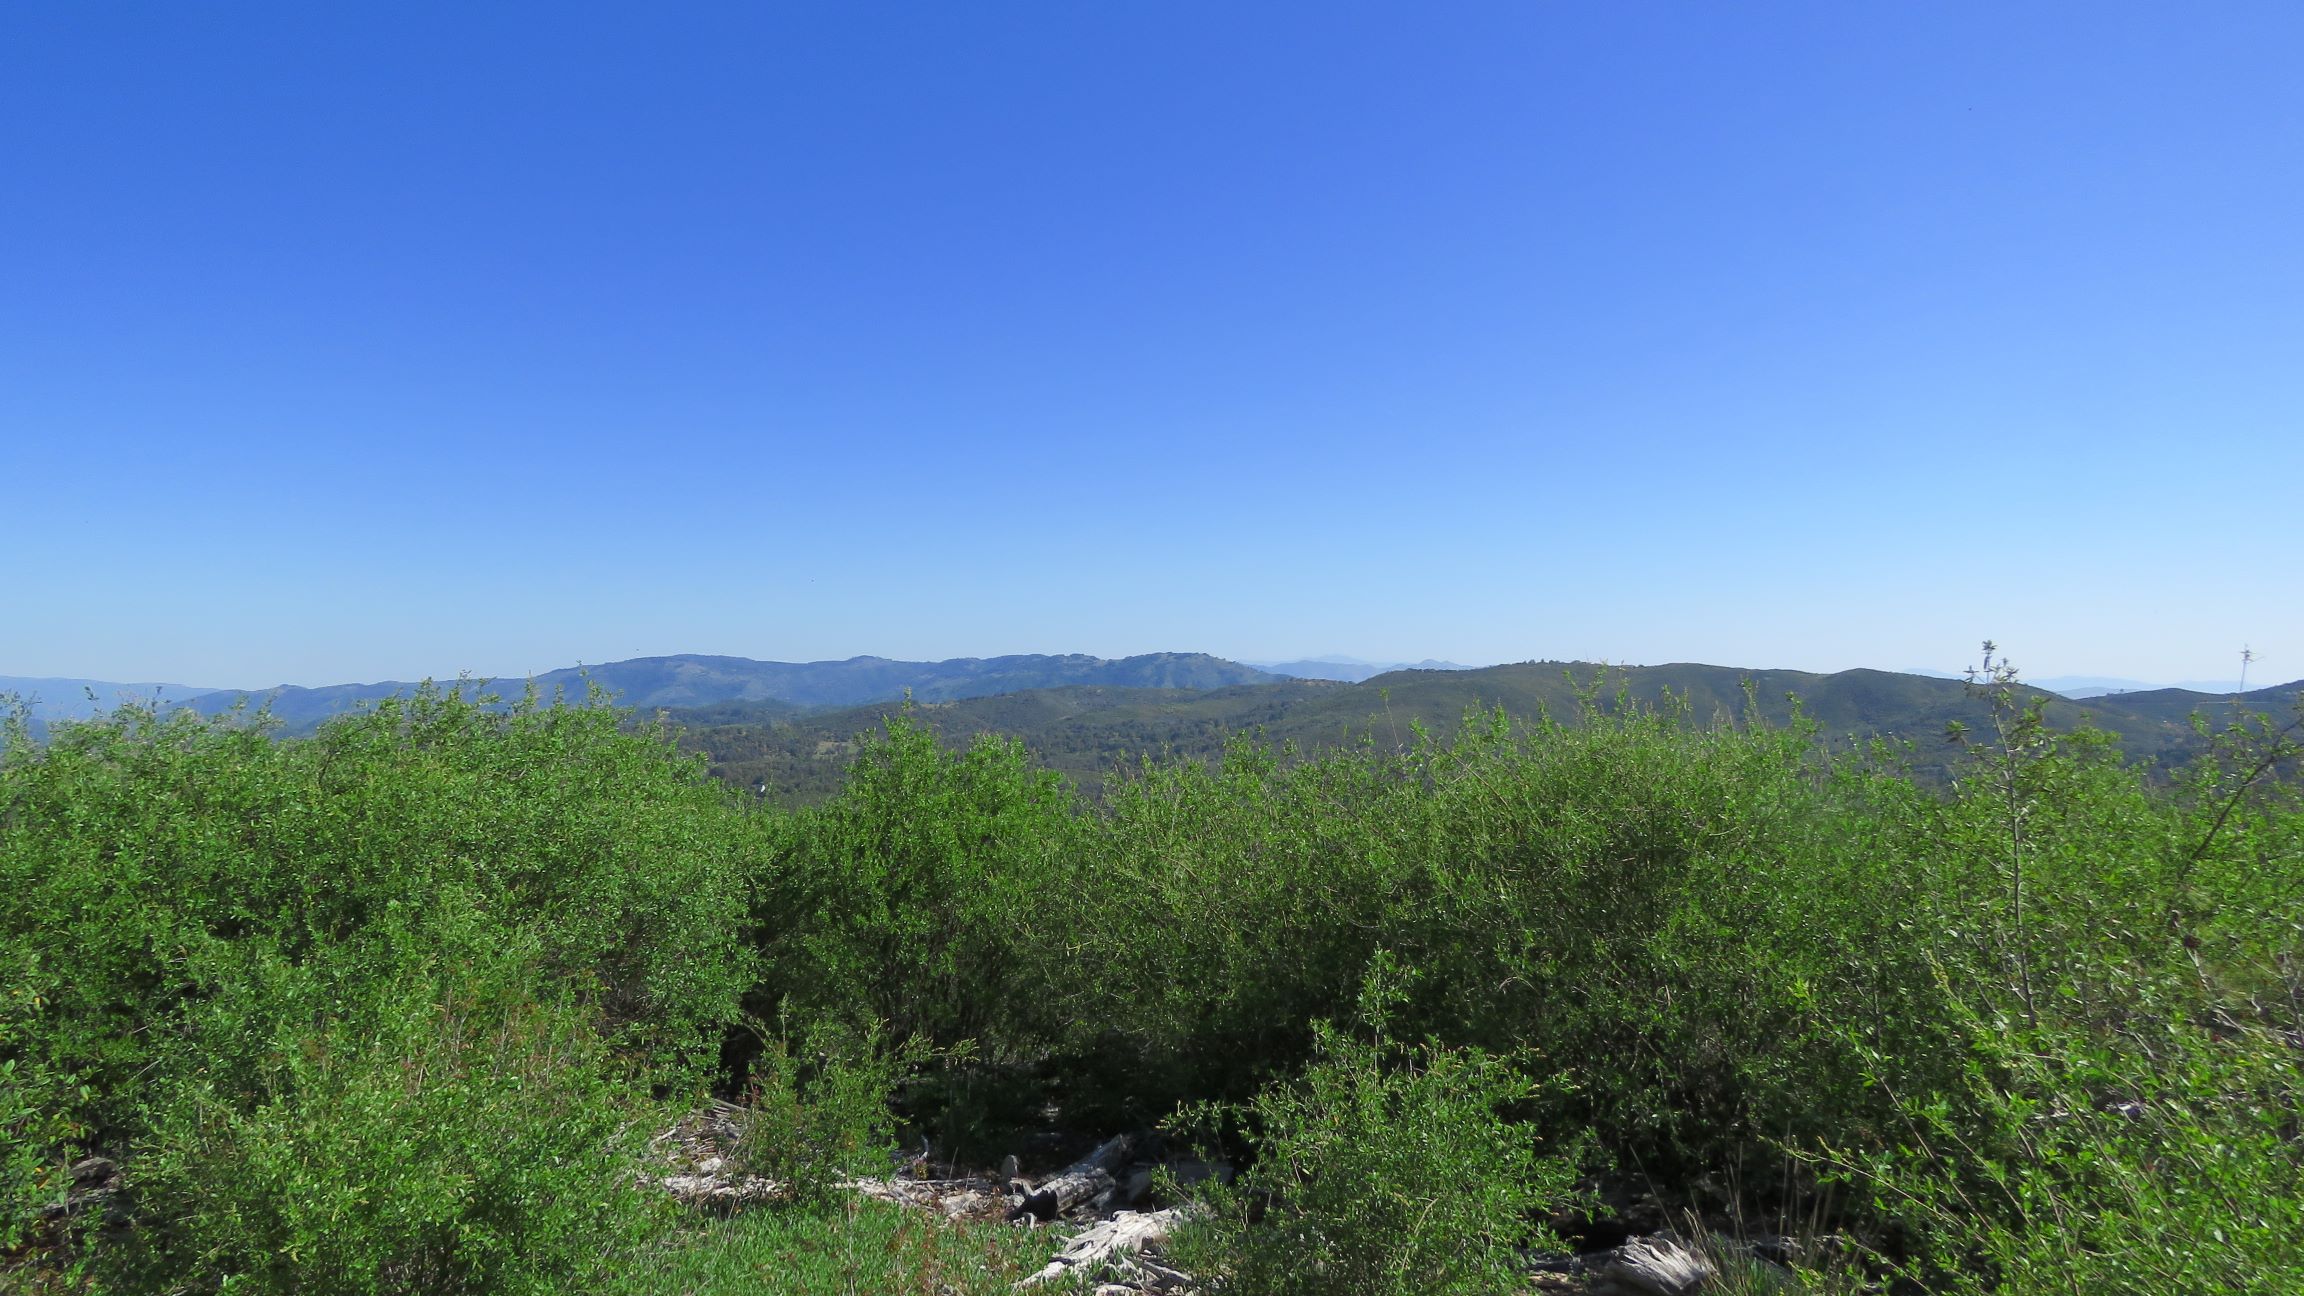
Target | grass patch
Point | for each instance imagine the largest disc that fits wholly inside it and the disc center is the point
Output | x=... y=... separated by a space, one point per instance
x=844 y=1249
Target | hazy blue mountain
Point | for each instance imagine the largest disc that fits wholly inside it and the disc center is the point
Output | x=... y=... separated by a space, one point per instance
x=694 y=680
x=2088 y=686
x=689 y=680
x=51 y=699
x=300 y=709
x=1349 y=670
x=2077 y=687
x=1231 y=693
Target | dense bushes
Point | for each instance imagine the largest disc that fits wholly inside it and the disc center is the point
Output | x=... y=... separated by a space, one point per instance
x=1385 y=1170
x=817 y=1104
x=38 y=1130
x=385 y=1009
x=1630 y=901
x=1761 y=969
x=376 y=1011
x=446 y=1131
x=2117 y=1102
x=915 y=897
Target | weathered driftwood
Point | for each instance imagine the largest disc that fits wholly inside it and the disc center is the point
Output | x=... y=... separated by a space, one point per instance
x=1113 y=1241
x=1656 y=1265
x=1079 y=1183
x=954 y=1197
x=713 y=1184
x=703 y=1172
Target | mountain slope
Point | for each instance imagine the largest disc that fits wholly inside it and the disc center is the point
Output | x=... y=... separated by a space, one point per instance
x=1085 y=732
x=775 y=720
x=49 y=699
x=2160 y=720
x=696 y=680
x=1350 y=670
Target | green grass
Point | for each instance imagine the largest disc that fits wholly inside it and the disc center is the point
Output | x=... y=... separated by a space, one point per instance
x=851 y=1249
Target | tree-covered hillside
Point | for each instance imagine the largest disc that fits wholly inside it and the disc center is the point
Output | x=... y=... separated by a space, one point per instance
x=1088 y=732
x=693 y=680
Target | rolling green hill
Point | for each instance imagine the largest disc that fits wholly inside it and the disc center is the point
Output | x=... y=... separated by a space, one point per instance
x=1085 y=731
x=789 y=727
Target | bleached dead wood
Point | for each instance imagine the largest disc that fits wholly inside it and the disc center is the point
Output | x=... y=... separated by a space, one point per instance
x=1112 y=1242
x=1657 y=1265
x=954 y=1197
x=698 y=1152
x=1082 y=1181
x=712 y=1185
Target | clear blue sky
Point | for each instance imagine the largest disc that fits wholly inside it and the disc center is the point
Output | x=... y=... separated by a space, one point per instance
x=342 y=342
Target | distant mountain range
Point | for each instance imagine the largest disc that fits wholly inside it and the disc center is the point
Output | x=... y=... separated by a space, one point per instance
x=1086 y=731
x=1083 y=710
x=692 y=680
x=54 y=698
x=1350 y=670
x=2088 y=686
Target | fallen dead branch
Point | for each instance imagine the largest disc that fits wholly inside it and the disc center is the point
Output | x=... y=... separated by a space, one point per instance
x=1118 y=1242
x=1088 y=1182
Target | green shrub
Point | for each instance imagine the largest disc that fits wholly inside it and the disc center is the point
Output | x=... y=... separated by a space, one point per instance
x=1601 y=895
x=37 y=1133
x=2060 y=1165
x=140 y=850
x=228 y=940
x=1382 y=1170
x=2116 y=970
x=443 y=1133
x=911 y=898
x=817 y=1107
x=1209 y=916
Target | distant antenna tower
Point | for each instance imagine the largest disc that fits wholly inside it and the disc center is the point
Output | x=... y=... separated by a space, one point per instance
x=2247 y=655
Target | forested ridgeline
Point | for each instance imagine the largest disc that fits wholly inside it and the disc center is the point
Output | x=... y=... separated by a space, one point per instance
x=409 y=1005
x=799 y=755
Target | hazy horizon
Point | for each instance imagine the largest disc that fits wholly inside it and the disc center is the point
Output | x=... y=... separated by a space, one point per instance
x=2258 y=677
